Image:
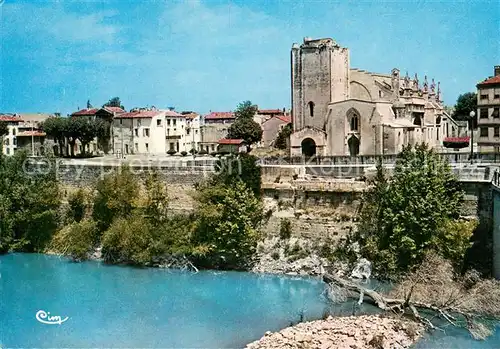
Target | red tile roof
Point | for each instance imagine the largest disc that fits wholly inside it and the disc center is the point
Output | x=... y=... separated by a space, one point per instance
x=143 y=114
x=34 y=133
x=172 y=113
x=270 y=111
x=284 y=118
x=10 y=118
x=456 y=139
x=219 y=115
x=491 y=81
x=85 y=112
x=231 y=141
x=114 y=109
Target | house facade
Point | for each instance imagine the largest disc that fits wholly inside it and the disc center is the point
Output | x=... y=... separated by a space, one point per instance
x=9 y=144
x=488 y=113
x=215 y=127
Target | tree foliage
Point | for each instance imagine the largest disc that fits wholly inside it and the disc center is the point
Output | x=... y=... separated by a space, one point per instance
x=116 y=195
x=114 y=102
x=226 y=232
x=56 y=128
x=412 y=212
x=283 y=137
x=242 y=167
x=244 y=127
x=3 y=128
x=466 y=103
x=76 y=240
x=29 y=204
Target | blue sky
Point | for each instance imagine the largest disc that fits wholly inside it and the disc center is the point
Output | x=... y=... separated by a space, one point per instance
x=211 y=55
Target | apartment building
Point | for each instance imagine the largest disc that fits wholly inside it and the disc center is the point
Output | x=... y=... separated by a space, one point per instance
x=215 y=127
x=9 y=145
x=193 y=130
x=488 y=112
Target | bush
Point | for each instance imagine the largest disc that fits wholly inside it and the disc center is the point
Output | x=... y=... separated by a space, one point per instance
x=77 y=203
x=116 y=196
x=202 y=152
x=184 y=153
x=171 y=152
x=76 y=240
x=285 y=229
x=214 y=153
x=193 y=151
x=128 y=240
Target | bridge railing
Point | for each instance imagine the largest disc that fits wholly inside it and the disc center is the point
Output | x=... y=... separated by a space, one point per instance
x=478 y=157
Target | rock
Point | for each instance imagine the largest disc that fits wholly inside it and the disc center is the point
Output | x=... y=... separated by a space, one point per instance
x=362 y=270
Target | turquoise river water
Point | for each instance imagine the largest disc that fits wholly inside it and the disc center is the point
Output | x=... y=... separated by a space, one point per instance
x=123 y=307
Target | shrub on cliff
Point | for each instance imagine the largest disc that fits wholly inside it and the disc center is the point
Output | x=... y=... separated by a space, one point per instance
x=128 y=240
x=77 y=206
x=242 y=167
x=415 y=210
x=226 y=233
x=116 y=196
x=76 y=240
x=29 y=204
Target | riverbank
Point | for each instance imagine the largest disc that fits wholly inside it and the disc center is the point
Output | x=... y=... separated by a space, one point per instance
x=367 y=331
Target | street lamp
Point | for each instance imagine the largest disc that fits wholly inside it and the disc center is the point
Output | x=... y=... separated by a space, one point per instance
x=472 y=114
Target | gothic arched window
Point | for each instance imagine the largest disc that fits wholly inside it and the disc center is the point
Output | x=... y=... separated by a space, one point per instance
x=353 y=119
x=311 y=108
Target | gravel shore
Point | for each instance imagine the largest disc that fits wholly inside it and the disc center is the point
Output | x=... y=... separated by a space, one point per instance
x=367 y=331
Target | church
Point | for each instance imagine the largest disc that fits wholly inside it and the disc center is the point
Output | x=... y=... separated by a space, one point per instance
x=338 y=110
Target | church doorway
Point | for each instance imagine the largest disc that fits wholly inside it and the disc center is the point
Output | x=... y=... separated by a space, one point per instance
x=308 y=147
x=353 y=144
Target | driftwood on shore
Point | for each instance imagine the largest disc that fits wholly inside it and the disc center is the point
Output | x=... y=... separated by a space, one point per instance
x=407 y=306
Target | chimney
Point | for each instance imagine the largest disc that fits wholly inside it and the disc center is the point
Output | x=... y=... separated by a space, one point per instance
x=497 y=70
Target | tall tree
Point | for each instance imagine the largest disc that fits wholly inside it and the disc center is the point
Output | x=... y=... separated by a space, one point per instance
x=466 y=103
x=72 y=132
x=55 y=128
x=114 y=102
x=413 y=212
x=86 y=131
x=244 y=127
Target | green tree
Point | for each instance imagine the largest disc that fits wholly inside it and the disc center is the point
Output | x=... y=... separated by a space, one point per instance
x=244 y=167
x=226 y=232
x=244 y=127
x=29 y=204
x=412 y=212
x=86 y=131
x=77 y=206
x=116 y=195
x=56 y=128
x=3 y=128
x=156 y=205
x=283 y=137
x=114 y=102
x=466 y=103
x=103 y=133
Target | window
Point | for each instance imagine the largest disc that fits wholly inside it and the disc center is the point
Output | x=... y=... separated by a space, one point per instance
x=137 y=147
x=174 y=122
x=158 y=122
x=14 y=141
x=136 y=131
x=483 y=113
x=483 y=97
x=354 y=123
x=438 y=120
x=496 y=132
x=171 y=146
x=146 y=132
x=196 y=131
x=213 y=147
x=187 y=131
x=496 y=113
x=126 y=148
x=7 y=151
x=139 y=122
x=497 y=96
x=121 y=121
x=13 y=131
x=380 y=94
x=7 y=142
x=147 y=148
x=168 y=122
x=483 y=132
x=311 y=108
